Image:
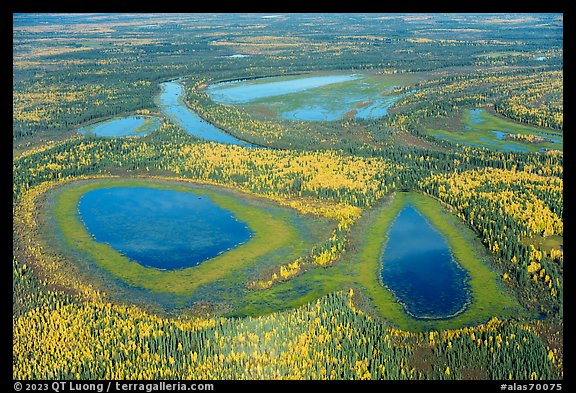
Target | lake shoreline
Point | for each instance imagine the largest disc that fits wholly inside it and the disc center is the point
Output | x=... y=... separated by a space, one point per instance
x=487 y=298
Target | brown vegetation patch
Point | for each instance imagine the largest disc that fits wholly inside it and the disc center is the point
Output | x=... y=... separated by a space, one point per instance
x=351 y=114
x=261 y=110
x=473 y=374
x=551 y=335
x=405 y=138
x=362 y=104
x=423 y=359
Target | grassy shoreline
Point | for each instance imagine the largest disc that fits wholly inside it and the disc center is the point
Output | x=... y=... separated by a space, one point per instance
x=150 y=124
x=359 y=269
x=270 y=233
x=487 y=299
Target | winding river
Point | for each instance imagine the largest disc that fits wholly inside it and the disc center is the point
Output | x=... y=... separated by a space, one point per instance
x=172 y=105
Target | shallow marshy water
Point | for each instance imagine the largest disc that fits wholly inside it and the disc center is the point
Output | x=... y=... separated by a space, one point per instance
x=311 y=98
x=241 y=92
x=125 y=126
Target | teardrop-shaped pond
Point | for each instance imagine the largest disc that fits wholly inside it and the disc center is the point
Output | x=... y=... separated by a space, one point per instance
x=164 y=229
x=419 y=269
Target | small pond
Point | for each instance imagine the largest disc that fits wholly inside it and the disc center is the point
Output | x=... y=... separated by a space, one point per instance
x=420 y=270
x=476 y=116
x=163 y=229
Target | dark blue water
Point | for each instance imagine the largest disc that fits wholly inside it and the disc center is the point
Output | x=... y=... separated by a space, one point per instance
x=164 y=229
x=418 y=267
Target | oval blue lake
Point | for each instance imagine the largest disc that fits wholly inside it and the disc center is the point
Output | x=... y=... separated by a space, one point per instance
x=419 y=268
x=164 y=229
x=125 y=126
x=171 y=103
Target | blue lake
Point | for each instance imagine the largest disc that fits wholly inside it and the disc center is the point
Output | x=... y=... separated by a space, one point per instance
x=419 y=269
x=171 y=103
x=126 y=126
x=164 y=229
